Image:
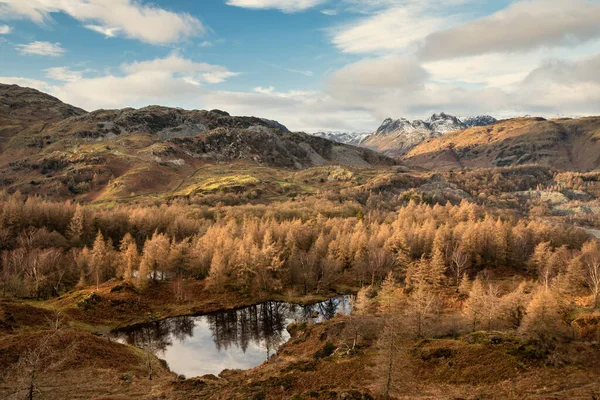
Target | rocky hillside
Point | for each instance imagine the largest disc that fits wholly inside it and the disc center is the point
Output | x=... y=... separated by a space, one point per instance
x=24 y=110
x=53 y=148
x=568 y=144
x=396 y=137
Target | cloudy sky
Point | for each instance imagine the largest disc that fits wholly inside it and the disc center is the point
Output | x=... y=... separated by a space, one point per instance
x=311 y=64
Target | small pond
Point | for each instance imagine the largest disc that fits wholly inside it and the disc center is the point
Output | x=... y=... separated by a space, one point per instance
x=233 y=339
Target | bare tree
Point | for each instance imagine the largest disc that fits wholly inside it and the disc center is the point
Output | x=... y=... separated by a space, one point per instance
x=459 y=264
x=590 y=260
x=41 y=357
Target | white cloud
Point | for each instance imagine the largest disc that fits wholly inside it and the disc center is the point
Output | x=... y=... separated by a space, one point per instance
x=299 y=71
x=380 y=86
x=483 y=84
x=170 y=81
x=193 y=71
x=206 y=43
x=106 y=31
x=384 y=72
x=563 y=87
x=130 y=18
x=288 y=6
x=392 y=29
x=329 y=12
x=26 y=82
x=523 y=26
x=63 y=74
x=298 y=110
x=41 y=48
x=5 y=29
x=264 y=90
x=494 y=70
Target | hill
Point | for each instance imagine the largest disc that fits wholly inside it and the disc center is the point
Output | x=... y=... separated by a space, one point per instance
x=566 y=144
x=52 y=148
x=397 y=136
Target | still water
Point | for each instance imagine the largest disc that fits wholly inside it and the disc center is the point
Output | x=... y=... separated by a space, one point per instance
x=234 y=339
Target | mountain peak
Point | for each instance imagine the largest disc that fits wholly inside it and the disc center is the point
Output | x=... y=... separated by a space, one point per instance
x=397 y=136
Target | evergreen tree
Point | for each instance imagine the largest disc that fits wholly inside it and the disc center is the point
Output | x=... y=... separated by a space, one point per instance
x=437 y=267
x=542 y=320
x=99 y=259
x=474 y=307
x=76 y=226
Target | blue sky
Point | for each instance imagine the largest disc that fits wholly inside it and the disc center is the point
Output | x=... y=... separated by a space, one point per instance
x=311 y=64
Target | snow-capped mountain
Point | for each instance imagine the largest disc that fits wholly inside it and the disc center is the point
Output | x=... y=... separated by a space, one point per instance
x=397 y=136
x=480 y=120
x=444 y=123
x=353 y=138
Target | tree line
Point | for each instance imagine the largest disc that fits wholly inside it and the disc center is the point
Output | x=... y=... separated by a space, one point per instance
x=51 y=247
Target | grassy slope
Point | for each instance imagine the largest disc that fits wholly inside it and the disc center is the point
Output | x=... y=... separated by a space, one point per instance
x=472 y=366
x=563 y=143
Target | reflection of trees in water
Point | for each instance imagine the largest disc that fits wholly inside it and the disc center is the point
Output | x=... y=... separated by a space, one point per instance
x=157 y=334
x=324 y=310
x=262 y=324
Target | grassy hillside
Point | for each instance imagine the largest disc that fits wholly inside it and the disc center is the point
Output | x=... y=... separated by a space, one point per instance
x=568 y=144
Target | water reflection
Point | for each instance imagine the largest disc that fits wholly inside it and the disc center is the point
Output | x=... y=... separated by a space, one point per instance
x=235 y=339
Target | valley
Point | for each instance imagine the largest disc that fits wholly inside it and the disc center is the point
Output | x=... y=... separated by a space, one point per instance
x=165 y=253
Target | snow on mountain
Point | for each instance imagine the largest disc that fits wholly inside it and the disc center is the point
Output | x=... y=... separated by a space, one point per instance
x=479 y=120
x=353 y=138
x=444 y=123
x=397 y=136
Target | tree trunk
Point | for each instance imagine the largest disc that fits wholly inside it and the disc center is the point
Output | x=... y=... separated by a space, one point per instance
x=388 y=383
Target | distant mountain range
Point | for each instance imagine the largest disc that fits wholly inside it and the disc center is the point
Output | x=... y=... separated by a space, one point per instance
x=397 y=136
x=353 y=138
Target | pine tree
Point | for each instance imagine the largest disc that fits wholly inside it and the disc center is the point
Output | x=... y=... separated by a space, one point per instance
x=474 y=307
x=361 y=303
x=513 y=306
x=128 y=257
x=82 y=259
x=542 y=320
x=99 y=259
x=387 y=341
x=590 y=262
x=219 y=271
x=420 y=308
x=437 y=267
x=541 y=262
x=155 y=257
x=76 y=226
x=131 y=260
x=465 y=285
x=388 y=293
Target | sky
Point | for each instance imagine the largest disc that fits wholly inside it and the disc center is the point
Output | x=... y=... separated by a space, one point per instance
x=310 y=64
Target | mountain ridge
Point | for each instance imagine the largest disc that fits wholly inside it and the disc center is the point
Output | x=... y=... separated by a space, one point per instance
x=117 y=152
x=564 y=143
x=395 y=137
